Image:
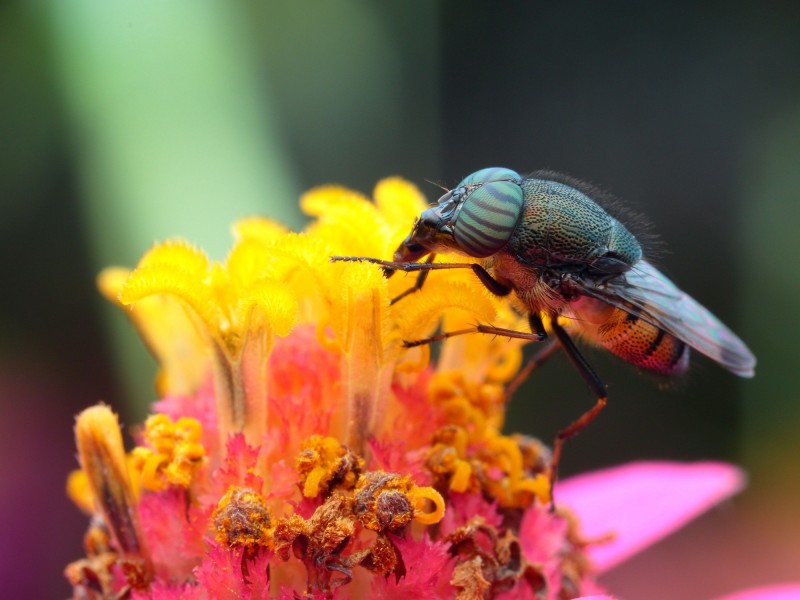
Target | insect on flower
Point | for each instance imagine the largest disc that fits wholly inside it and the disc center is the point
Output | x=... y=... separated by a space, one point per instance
x=545 y=239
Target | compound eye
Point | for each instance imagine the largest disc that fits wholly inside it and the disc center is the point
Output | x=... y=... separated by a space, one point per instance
x=488 y=215
x=490 y=174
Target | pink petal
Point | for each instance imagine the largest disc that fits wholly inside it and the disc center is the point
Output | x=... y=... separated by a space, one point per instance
x=429 y=569
x=596 y=598
x=173 y=532
x=640 y=503
x=789 y=591
x=222 y=577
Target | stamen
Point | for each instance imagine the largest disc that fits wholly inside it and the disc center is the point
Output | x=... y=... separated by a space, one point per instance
x=242 y=520
x=420 y=497
x=324 y=464
x=175 y=454
x=151 y=472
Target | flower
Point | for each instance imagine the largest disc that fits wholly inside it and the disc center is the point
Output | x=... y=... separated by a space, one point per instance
x=299 y=448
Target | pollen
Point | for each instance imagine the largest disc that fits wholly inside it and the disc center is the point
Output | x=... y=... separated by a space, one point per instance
x=471 y=454
x=287 y=531
x=242 y=520
x=382 y=501
x=388 y=502
x=478 y=407
x=506 y=477
x=173 y=455
x=447 y=460
x=324 y=464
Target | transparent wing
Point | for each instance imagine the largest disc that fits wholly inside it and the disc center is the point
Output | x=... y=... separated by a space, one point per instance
x=647 y=293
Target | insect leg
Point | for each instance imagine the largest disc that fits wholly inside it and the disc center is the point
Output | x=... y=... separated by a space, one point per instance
x=389 y=268
x=423 y=275
x=534 y=362
x=592 y=381
x=489 y=282
x=510 y=333
x=536 y=325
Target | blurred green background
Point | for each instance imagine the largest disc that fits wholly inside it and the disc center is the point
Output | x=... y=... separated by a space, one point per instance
x=126 y=122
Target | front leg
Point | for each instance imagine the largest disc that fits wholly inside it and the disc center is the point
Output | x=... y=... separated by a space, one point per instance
x=389 y=268
x=491 y=330
x=423 y=275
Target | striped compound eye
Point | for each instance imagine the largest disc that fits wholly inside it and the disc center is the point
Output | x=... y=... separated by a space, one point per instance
x=489 y=211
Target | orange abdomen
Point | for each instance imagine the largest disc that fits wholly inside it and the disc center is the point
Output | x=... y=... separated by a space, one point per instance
x=643 y=344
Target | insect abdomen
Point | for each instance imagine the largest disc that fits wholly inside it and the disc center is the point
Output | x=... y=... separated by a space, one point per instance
x=643 y=344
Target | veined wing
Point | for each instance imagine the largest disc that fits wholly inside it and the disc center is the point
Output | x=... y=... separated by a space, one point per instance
x=648 y=294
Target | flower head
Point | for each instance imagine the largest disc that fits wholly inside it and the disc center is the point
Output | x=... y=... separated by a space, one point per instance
x=298 y=446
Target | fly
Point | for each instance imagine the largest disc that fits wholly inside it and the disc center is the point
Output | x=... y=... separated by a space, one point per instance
x=544 y=239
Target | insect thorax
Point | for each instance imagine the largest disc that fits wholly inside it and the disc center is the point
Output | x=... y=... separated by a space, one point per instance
x=561 y=226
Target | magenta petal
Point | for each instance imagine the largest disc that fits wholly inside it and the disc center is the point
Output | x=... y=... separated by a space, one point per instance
x=596 y=598
x=789 y=591
x=640 y=503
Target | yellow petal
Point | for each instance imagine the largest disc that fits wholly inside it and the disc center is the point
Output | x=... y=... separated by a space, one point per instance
x=417 y=314
x=163 y=278
x=272 y=307
x=177 y=253
x=360 y=321
x=169 y=334
x=258 y=229
x=320 y=201
x=400 y=202
x=347 y=222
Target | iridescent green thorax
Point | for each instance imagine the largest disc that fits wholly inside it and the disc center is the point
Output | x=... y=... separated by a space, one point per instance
x=562 y=226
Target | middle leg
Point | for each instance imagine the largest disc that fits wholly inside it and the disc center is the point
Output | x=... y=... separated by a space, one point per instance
x=594 y=383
